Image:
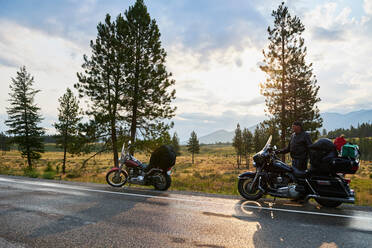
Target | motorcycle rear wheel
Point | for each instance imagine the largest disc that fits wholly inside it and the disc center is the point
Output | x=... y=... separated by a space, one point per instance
x=243 y=188
x=116 y=178
x=328 y=203
x=161 y=181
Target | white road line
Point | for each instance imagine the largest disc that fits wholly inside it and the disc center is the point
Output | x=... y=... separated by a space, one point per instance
x=181 y=199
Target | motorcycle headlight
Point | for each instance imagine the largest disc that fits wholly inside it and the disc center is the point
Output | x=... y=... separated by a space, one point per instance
x=254 y=164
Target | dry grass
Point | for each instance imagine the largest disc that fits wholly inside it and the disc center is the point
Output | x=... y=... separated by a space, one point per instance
x=214 y=171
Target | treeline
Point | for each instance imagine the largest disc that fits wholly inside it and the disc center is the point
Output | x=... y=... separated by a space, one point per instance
x=361 y=131
x=365 y=146
x=5 y=143
x=243 y=144
x=246 y=143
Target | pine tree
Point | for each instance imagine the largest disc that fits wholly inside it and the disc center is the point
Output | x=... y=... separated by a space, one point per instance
x=238 y=145
x=67 y=125
x=148 y=84
x=247 y=144
x=126 y=80
x=290 y=89
x=24 y=117
x=103 y=82
x=193 y=145
x=176 y=144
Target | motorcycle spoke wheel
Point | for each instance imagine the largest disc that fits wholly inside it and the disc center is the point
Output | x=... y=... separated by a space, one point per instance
x=116 y=178
x=244 y=189
x=161 y=181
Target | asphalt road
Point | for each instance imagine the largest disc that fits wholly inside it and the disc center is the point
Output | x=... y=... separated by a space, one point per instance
x=44 y=213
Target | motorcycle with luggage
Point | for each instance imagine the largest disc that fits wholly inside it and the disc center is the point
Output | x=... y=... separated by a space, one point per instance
x=324 y=182
x=130 y=170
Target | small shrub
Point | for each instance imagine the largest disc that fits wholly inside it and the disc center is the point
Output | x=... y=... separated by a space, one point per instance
x=49 y=167
x=30 y=172
x=49 y=175
x=74 y=174
x=4 y=170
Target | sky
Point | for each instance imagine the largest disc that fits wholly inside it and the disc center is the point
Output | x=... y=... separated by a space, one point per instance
x=214 y=49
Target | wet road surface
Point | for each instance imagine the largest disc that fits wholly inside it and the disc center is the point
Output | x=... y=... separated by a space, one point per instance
x=45 y=213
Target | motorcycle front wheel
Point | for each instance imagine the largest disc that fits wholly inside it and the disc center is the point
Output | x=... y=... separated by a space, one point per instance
x=161 y=181
x=116 y=178
x=243 y=188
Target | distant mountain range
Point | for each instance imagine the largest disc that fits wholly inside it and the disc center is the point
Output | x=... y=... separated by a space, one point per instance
x=331 y=121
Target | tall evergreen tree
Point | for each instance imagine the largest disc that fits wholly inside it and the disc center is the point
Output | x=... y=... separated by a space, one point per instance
x=247 y=144
x=67 y=125
x=147 y=81
x=126 y=80
x=24 y=117
x=193 y=145
x=103 y=82
x=176 y=144
x=290 y=89
x=238 y=144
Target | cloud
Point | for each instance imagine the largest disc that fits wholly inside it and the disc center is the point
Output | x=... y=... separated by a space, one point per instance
x=207 y=26
x=48 y=58
x=367 y=7
x=253 y=102
x=214 y=52
x=327 y=34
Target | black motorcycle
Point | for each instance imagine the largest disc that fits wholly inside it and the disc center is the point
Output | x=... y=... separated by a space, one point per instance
x=273 y=177
x=156 y=173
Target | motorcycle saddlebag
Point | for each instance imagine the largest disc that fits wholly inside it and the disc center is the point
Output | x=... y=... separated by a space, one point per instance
x=344 y=165
x=163 y=157
x=328 y=186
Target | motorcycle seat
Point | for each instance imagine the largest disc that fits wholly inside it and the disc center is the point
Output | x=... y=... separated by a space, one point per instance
x=299 y=173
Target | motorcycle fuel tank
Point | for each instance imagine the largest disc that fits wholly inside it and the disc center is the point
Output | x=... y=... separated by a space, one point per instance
x=131 y=163
x=281 y=167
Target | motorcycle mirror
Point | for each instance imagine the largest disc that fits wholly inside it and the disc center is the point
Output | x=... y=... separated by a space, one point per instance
x=275 y=148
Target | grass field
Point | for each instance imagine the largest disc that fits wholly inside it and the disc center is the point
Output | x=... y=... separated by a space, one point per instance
x=214 y=170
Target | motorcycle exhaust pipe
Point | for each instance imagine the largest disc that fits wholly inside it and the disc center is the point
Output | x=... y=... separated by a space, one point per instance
x=345 y=200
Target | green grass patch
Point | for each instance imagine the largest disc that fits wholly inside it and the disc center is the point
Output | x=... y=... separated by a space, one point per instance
x=30 y=172
x=363 y=191
x=49 y=174
x=74 y=174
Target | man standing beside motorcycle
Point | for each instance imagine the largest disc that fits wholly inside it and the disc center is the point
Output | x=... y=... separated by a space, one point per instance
x=298 y=146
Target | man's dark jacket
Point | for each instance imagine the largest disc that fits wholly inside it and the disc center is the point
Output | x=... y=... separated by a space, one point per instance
x=299 y=145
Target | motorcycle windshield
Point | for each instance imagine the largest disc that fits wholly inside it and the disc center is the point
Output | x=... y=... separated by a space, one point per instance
x=268 y=143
